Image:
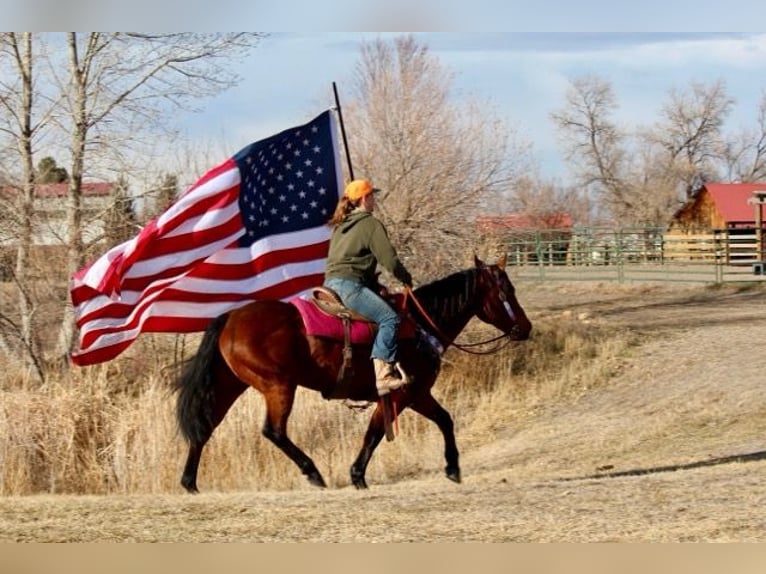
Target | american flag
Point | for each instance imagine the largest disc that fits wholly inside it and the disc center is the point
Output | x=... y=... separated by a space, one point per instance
x=254 y=227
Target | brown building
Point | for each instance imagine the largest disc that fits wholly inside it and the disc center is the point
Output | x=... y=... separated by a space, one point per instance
x=722 y=222
x=718 y=206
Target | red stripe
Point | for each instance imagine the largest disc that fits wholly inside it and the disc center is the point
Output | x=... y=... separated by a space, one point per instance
x=187 y=324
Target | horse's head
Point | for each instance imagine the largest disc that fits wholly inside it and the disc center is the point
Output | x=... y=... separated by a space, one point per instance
x=499 y=306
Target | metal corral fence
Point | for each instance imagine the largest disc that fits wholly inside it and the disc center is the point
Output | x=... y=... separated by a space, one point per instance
x=636 y=254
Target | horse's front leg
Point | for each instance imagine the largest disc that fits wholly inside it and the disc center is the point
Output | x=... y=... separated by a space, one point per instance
x=430 y=408
x=372 y=438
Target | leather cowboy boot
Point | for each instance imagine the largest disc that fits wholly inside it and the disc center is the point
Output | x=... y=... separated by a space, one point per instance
x=385 y=377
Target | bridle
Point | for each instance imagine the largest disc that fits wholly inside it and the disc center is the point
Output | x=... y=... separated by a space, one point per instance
x=465 y=347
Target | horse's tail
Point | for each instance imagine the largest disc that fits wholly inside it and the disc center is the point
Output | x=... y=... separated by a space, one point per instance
x=195 y=405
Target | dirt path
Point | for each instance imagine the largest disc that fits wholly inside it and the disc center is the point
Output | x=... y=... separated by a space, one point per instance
x=693 y=390
x=673 y=449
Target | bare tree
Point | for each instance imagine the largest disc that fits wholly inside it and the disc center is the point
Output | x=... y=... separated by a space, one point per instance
x=128 y=79
x=690 y=133
x=17 y=102
x=547 y=200
x=653 y=187
x=439 y=164
x=594 y=144
x=745 y=153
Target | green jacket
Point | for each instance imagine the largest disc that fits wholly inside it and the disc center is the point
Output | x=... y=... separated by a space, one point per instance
x=357 y=245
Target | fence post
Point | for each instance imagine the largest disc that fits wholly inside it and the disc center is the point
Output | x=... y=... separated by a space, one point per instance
x=618 y=254
x=718 y=260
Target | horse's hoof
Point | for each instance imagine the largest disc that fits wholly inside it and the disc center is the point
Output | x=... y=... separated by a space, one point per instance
x=454 y=475
x=190 y=485
x=316 y=479
x=360 y=484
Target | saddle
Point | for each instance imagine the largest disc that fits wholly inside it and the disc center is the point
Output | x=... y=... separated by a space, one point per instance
x=325 y=315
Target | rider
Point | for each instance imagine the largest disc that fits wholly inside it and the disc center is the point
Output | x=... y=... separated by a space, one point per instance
x=359 y=242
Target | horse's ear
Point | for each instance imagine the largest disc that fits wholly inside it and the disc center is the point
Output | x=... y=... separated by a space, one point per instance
x=502 y=261
x=478 y=262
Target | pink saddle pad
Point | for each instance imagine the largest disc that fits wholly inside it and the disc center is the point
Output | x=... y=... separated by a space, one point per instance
x=321 y=324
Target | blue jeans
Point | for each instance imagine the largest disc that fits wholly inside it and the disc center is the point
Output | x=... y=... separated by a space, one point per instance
x=365 y=301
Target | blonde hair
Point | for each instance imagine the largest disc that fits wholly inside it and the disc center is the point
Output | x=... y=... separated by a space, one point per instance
x=344 y=207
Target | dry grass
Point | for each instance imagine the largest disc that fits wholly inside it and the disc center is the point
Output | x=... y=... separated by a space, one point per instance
x=103 y=430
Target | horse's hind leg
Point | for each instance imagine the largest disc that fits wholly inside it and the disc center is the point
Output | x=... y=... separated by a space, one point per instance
x=430 y=408
x=279 y=404
x=224 y=393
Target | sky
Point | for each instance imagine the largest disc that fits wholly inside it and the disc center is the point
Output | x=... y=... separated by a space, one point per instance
x=644 y=48
x=522 y=77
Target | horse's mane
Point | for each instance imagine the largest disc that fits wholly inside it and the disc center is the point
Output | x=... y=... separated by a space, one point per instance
x=449 y=296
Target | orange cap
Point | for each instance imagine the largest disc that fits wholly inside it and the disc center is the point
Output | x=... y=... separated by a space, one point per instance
x=358 y=188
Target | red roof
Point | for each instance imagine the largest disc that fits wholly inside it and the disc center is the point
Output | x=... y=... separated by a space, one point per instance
x=520 y=221
x=731 y=199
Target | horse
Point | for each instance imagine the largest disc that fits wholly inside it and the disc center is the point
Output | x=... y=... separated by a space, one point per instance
x=264 y=345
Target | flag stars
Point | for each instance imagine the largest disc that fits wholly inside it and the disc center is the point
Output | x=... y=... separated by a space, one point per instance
x=288 y=184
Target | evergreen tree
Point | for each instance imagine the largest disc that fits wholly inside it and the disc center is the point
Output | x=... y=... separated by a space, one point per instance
x=48 y=172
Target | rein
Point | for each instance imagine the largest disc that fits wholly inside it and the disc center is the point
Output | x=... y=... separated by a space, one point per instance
x=467 y=347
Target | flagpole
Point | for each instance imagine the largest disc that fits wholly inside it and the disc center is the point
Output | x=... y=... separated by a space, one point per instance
x=343 y=132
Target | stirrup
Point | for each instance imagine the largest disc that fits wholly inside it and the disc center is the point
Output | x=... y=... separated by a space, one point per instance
x=355 y=405
x=402 y=374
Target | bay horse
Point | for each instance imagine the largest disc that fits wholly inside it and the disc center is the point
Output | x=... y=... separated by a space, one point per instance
x=264 y=345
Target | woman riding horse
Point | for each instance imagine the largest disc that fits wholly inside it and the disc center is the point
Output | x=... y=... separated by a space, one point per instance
x=359 y=242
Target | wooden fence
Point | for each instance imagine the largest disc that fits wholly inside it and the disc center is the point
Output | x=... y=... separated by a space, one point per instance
x=637 y=254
